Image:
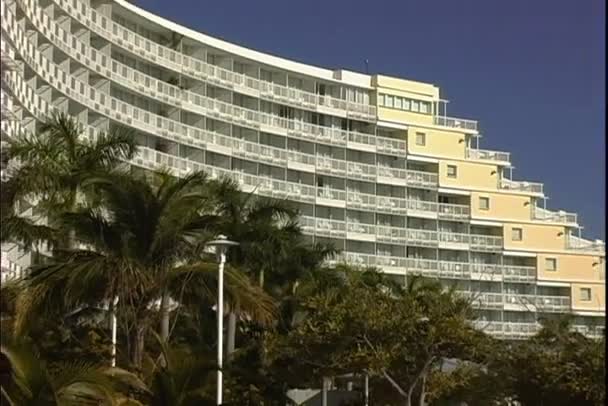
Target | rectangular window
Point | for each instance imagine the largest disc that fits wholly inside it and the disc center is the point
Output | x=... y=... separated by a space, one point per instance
x=585 y=294
x=452 y=171
x=550 y=264
x=424 y=107
x=484 y=203
x=421 y=139
x=381 y=100
x=406 y=104
x=415 y=106
x=398 y=103
x=517 y=234
x=389 y=101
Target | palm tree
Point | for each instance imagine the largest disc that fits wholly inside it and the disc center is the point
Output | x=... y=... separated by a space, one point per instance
x=30 y=382
x=141 y=242
x=50 y=167
x=264 y=229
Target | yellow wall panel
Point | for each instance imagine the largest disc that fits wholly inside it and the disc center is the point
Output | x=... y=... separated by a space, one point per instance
x=502 y=206
x=570 y=267
x=437 y=143
x=404 y=117
x=536 y=237
x=598 y=295
x=469 y=175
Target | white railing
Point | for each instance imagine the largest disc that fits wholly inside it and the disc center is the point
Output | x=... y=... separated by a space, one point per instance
x=453 y=238
x=552 y=303
x=456 y=211
x=360 y=228
x=422 y=205
x=455 y=123
x=198 y=69
x=419 y=178
x=485 y=300
x=554 y=216
x=521 y=186
x=590 y=331
x=391 y=204
x=388 y=234
x=514 y=273
x=487 y=155
x=359 y=200
x=361 y=171
x=581 y=244
x=486 y=242
x=422 y=237
x=331 y=194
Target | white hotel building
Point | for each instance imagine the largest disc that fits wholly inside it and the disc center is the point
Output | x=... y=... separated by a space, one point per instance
x=373 y=162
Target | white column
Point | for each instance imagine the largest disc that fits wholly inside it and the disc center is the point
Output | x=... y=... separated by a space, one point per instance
x=220 y=323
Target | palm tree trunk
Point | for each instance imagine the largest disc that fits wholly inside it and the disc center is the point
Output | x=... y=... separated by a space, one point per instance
x=165 y=317
x=231 y=336
x=137 y=346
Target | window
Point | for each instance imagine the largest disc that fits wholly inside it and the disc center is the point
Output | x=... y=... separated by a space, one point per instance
x=517 y=234
x=550 y=264
x=415 y=106
x=421 y=139
x=381 y=100
x=484 y=203
x=399 y=103
x=585 y=294
x=389 y=101
x=425 y=107
x=452 y=171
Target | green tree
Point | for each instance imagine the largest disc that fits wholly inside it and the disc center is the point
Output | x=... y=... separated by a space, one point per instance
x=141 y=241
x=49 y=169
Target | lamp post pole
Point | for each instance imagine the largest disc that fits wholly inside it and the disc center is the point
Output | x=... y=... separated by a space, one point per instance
x=221 y=247
x=114 y=331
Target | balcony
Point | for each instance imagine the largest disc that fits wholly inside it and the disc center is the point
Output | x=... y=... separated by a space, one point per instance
x=484 y=300
x=582 y=245
x=422 y=206
x=360 y=231
x=422 y=179
x=394 y=235
x=358 y=200
x=487 y=155
x=461 y=123
x=517 y=186
x=198 y=69
x=486 y=243
x=422 y=238
x=394 y=205
x=453 y=211
x=554 y=216
x=512 y=273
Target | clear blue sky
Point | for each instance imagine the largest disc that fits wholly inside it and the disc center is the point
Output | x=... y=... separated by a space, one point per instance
x=531 y=71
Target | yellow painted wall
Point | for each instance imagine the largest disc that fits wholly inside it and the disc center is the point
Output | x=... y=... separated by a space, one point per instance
x=598 y=295
x=469 y=175
x=387 y=83
x=570 y=268
x=536 y=237
x=502 y=206
x=404 y=116
x=438 y=143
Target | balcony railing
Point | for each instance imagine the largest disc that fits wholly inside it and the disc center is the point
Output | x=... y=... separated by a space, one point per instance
x=486 y=155
x=486 y=242
x=518 y=186
x=453 y=211
x=198 y=69
x=455 y=123
x=554 y=216
x=582 y=245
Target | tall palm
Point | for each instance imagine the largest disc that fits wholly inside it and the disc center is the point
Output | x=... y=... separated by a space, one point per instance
x=141 y=242
x=263 y=228
x=50 y=167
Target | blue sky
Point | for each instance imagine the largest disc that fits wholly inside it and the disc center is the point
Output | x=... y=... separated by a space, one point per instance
x=531 y=72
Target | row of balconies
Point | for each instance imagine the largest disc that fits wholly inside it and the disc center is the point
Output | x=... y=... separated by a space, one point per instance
x=353 y=229
x=441 y=269
x=306 y=193
x=198 y=69
x=359 y=170
x=522 y=330
x=518 y=301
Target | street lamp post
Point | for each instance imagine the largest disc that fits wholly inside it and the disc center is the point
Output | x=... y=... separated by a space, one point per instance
x=221 y=247
x=114 y=330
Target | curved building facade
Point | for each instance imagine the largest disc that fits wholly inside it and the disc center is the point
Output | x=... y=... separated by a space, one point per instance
x=373 y=162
